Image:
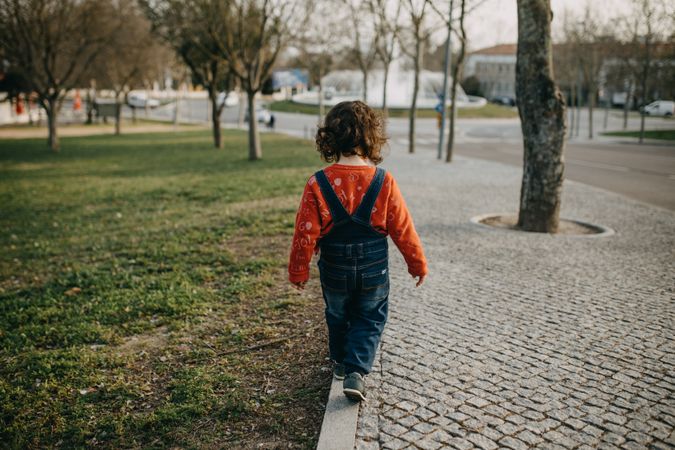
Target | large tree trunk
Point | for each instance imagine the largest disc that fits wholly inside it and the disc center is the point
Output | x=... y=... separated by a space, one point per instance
x=542 y=115
x=215 y=117
x=456 y=71
x=416 y=87
x=52 y=109
x=254 y=150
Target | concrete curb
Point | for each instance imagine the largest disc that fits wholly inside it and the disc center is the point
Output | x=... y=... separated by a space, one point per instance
x=603 y=231
x=338 y=430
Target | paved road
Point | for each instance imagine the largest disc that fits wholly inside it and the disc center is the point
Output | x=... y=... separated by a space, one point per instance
x=642 y=172
x=522 y=340
x=645 y=172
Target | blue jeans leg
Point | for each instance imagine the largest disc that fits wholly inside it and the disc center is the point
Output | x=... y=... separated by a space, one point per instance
x=337 y=321
x=367 y=319
x=368 y=311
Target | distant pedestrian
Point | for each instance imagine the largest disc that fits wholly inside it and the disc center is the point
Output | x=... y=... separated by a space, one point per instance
x=347 y=210
x=270 y=124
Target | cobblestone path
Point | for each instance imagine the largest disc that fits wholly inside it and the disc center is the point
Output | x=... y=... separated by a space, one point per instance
x=524 y=340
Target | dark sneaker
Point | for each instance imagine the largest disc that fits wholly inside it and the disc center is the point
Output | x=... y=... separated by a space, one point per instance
x=339 y=371
x=354 y=387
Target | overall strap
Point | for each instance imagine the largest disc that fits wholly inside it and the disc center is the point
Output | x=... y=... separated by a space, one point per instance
x=366 y=207
x=337 y=211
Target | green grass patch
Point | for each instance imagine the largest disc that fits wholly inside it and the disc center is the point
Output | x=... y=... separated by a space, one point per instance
x=489 y=111
x=143 y=295
x=666 y=135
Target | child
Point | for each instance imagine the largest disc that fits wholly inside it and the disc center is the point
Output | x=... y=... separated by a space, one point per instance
x=347 y=211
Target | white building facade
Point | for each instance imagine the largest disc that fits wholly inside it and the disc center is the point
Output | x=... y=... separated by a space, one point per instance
x=495 y=69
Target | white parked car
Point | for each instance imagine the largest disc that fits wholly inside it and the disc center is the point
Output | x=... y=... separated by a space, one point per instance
x=262 y=113
x=140 y=100
x=664 y=108
x=231 y=100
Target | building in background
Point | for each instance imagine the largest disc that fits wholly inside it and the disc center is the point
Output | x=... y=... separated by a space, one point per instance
x=495 y=69
x=286 y=83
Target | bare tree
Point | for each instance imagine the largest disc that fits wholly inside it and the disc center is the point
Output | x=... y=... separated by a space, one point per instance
x=456 y=72
x=387 y=28
x=364 y=39
x=542 y=115
x=250 y=34
x=416 y=34
x=184 y=25
x=317 y=46
x=128 y=61
x=652 y=23
x=587 y=39
x=53 y=44
x=465 y=8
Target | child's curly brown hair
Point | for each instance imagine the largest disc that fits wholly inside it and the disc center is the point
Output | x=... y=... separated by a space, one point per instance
x=351 y=128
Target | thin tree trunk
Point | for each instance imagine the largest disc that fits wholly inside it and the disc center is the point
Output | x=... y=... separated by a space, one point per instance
x=571 y=111
x=215 y=116
x=90 y=107
x=365 y=85
x=416 y=87
x=456 y=71
x=591 y=105
x=242 y=109
x=626 y=105
x=606 y=118
x=644 y=103
x=542 y=114
x=52 y=110
x=322 y=109
x=118 y=117
x=385 y=110
x=254 y=150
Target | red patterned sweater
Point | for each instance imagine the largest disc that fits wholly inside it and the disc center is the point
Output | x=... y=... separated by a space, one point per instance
x=390 y=216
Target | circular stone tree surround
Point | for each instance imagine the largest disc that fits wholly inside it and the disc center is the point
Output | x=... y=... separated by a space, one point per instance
x=566 y=227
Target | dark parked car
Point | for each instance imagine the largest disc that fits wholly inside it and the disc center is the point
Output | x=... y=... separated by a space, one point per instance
x=503 y=100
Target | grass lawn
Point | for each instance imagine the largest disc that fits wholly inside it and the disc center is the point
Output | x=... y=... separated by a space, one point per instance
x=489 y=111
x=667 y=135
x=143 y=295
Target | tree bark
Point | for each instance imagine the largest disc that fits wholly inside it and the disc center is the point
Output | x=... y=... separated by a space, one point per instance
x=416 y=87
x=542 y=114
x=215 y=117
x=456 y=71
x=254 y=150
x=52 y=110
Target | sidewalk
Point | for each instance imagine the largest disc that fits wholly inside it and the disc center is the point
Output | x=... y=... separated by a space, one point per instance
x=524 y=340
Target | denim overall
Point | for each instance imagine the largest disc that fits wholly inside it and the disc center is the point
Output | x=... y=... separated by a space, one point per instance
x=353 y=267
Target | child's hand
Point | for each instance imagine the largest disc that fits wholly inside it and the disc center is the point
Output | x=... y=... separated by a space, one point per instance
x=299 y=285
x=420 y=280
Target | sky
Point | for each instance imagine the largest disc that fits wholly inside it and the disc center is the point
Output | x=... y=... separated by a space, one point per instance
x=496 y=21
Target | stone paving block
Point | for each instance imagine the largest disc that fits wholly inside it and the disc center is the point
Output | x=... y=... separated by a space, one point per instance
x=482 y=442
x=460 y=443
x=513 y=443
x=502 y=346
